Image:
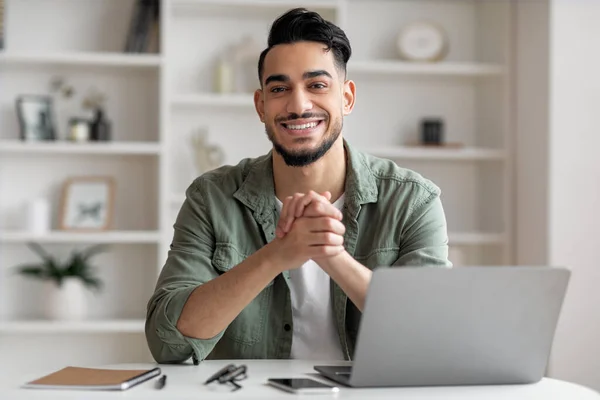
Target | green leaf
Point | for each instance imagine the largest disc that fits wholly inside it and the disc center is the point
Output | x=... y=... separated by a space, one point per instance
x=34 y=271
x=77 y=266
x=39 y=250
x=54 y=269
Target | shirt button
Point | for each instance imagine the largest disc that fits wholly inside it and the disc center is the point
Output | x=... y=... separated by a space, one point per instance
x=287 y=327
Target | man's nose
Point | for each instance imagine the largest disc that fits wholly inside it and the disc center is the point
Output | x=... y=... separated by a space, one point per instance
x=299 y=102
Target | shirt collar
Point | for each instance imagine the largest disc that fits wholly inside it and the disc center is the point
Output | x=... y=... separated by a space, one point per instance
x=257 y=190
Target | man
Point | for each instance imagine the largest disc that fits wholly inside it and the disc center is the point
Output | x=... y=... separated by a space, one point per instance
x=272 y=258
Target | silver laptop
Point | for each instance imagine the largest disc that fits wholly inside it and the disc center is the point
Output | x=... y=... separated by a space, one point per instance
x=455 y=326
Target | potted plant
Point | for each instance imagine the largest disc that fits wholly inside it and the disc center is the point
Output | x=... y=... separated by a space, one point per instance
x=65 y=282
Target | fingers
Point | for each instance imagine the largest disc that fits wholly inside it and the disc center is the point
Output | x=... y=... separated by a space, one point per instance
x=304 y=201
x=289 y=212
x=295 y=207
x=299 y=204
x=287 y=219
x=325 y=224
x=285 y=208
x=326 y=239
x=322 y=209
x=279 y=232
x=318 y=237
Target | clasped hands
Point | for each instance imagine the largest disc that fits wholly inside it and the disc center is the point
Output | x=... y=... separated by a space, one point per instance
x=310 y=227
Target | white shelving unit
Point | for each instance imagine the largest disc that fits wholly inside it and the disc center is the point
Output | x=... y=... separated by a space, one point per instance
x=449 y=69
x=131 y=237
x=475 y=239
x=37 y=327
x=243 y=5
x=437 y=154
x=213 y=100
x=156 y=101
x=65 y=148
x=83 y=59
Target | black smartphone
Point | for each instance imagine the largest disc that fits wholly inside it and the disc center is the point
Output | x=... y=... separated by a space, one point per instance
x=302 y=385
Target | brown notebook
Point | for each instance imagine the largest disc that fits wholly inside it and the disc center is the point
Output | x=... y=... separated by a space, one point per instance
x=93 y=379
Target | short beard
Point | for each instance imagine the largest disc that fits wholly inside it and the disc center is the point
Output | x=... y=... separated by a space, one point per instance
x=304 y=158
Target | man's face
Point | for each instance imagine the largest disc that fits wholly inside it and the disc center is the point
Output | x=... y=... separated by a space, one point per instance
x=302 y=101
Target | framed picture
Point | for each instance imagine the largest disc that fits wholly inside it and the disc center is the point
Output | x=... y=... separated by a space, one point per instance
x=36 y=117
x=87 y=204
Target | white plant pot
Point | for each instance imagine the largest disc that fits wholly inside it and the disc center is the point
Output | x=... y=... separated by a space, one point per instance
x=67 y=302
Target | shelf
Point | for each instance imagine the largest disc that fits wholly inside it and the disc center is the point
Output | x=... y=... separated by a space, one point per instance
x=139 y=237
x=64 y=147
x=90 y=59
x=436 y=153
x=102 y=326
x=213 y=100
x=455 y=238
x=311 y=4
x=475 y=238
x=432 y=69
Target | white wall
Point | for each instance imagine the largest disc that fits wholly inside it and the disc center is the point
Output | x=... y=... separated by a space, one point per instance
x=531 y=142
x=574 y=185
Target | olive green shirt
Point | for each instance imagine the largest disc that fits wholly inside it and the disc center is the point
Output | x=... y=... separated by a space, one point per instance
x=393 y=217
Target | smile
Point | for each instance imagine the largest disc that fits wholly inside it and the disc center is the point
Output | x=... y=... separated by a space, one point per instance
x=302 y=128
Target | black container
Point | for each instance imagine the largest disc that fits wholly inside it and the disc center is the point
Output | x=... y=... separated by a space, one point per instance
x=100 y=127
x=432 y=131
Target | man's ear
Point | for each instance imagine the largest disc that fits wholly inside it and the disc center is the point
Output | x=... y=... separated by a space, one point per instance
x=349 y=96
x=259 y=104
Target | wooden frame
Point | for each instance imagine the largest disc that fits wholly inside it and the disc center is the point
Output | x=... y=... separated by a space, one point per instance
x=95 y=216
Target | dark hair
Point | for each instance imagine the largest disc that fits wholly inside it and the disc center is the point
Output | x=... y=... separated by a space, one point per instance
x=298 y=25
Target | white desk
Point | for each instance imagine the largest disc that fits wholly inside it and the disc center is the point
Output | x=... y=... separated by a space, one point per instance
x=186 y=382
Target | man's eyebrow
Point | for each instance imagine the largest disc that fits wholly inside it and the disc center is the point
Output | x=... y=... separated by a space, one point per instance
x=314 y=74
x=277 y=78
x=306 y=75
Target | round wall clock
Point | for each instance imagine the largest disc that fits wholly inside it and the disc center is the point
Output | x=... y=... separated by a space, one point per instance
x=422 y=41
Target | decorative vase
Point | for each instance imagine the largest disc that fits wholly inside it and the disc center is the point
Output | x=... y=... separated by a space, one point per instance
x=100 y=127
x=67 y=302
x=224 y=74
x=246 y=55
x=37 y=216
x=206 y=156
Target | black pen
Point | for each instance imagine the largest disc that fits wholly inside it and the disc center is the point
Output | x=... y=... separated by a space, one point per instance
x=161 y=382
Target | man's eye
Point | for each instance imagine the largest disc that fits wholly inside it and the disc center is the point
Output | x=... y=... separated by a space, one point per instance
x=277 y=90
x=318 y=86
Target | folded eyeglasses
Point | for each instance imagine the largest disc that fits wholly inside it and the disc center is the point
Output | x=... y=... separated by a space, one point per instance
x=229 y=374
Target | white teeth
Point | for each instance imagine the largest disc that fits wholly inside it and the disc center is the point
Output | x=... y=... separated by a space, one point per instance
x=303 y=126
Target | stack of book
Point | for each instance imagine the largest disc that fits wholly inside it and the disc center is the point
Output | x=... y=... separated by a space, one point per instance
x=143 y=35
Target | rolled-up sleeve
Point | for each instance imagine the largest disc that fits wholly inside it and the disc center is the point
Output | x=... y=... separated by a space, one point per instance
x=425 y=237
x=188 y=265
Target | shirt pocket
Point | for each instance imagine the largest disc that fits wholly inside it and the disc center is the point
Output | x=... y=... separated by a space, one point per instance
x=248 y=327
x=378 y=257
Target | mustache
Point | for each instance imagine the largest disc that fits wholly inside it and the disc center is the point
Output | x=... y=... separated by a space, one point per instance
x=294 y=116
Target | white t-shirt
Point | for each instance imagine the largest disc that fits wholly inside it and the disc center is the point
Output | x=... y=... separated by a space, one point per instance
x=315 y=333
